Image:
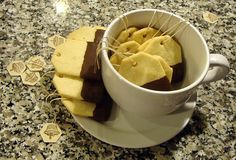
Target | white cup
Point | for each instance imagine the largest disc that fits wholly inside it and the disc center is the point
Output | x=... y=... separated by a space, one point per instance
x=200 y=66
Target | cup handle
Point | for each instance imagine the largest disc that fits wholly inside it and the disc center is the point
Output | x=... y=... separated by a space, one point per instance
x=219 y=68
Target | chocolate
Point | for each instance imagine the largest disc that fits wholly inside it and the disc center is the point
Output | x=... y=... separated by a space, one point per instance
x=89 y=68
x=162 y=84
x=93 y=91
x=98 y=35
x=103 y=109
x=178 y=73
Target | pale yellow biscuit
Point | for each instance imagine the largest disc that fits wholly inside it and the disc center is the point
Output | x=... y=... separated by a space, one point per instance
x=68 y=57
x=130 y=47
x=68 y=87
x=166 y=67
x=144 y=34
x=166 y=47
x=144 y=45
x=116 y=59
x=100 y=27
x=85 y=33
x=141 y=68
x=80 y=108
x=124 y=50
x=124 y=36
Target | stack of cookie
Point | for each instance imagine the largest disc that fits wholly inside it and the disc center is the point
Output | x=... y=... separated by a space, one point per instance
x=148 y=58
x=77 y=78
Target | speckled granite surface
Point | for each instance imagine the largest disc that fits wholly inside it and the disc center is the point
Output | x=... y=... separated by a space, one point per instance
x=25 y=27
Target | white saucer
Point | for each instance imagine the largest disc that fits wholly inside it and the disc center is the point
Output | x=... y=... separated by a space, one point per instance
x=124 y=129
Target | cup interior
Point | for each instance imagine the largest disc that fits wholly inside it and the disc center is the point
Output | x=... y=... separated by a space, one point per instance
x=194 y=49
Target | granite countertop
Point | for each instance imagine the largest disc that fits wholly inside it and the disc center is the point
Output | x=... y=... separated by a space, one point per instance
x=25 y=28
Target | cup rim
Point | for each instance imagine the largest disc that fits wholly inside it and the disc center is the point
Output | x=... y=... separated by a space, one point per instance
x=188 y=87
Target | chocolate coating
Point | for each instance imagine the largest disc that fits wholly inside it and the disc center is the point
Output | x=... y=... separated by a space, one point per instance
x=162 y=84
x=98 y=35
x=178 y=73
x=93 y=91
x=103 y=109
x=89 y=68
